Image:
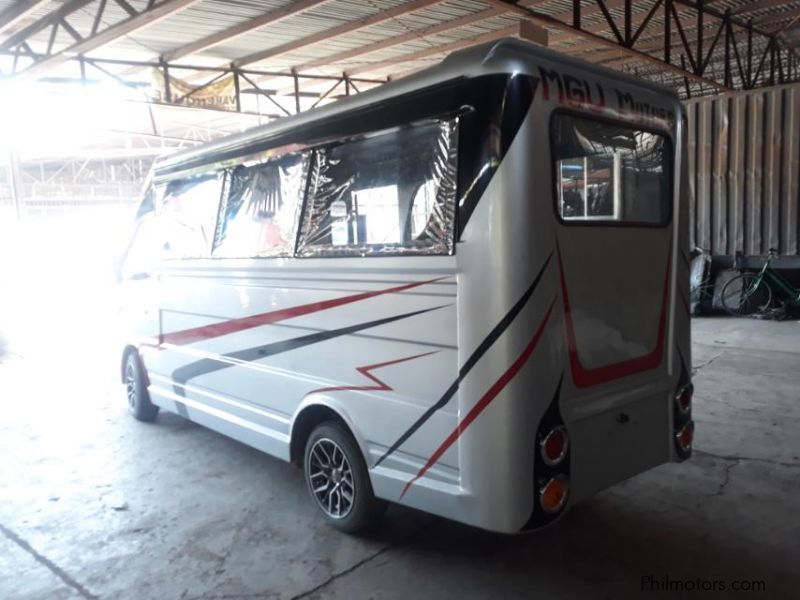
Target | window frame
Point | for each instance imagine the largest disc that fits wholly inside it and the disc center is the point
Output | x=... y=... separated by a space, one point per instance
x=291 y=251
x=223 y=175
x=375 y=133
x=669 y=202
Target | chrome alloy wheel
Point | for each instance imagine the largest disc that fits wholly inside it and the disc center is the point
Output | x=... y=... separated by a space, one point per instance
x=330 y=478
x=130 y=384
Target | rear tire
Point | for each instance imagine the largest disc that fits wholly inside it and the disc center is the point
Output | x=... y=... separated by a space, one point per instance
x=739 y=297
x=338 y=481
x=139 y=402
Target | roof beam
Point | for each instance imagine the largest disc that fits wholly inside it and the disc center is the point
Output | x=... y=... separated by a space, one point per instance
x=553 y=23
x=443 y=49
x=776 y=18
x=568 y=33
x=153 y=13
x=513 y=31
x=585 y=12
x=758 y=5
x=421 y=54
x=402 y=39
x=654 y=41
x=49 y=20
x=268 y=18
x=342 y=29
x=18 y=11
x=617 y=58
x=495 y=8
x=637 y=19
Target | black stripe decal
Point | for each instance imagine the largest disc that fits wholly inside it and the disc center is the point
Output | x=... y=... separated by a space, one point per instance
x=205 y=366
x=490 y=339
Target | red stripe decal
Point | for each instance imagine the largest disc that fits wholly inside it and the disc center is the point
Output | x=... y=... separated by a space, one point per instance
x=485 y=400
x=583 y=377
x=205 y=332
x=365 y=371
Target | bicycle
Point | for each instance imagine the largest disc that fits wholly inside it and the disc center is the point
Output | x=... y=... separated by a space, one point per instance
x=748 y=293
x=701 y=298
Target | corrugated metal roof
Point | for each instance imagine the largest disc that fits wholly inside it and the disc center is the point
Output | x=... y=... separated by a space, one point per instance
x=207 y=17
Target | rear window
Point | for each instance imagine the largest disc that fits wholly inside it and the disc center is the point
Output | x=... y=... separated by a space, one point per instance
x=610 y=173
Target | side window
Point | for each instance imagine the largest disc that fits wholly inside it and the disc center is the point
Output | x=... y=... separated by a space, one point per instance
x=187 y=214
x=610 y=173
x=389 y=193
x=259 y=214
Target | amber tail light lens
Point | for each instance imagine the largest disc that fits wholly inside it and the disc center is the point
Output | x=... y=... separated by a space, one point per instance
x=685 y=436
x=553 y=494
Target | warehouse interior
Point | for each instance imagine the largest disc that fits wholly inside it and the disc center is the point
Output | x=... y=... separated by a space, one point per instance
x=95 y=505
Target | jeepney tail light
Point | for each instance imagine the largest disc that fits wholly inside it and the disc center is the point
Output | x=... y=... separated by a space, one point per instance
x=553 y=494
x=553 y=446
x=685 y=436
x=683 y=399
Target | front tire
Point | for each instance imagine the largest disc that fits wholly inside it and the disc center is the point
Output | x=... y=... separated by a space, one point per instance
x=136 y=392
x=740 y=296
x=337 y=479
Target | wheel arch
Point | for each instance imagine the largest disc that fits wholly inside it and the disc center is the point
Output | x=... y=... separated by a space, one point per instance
x=307 y=418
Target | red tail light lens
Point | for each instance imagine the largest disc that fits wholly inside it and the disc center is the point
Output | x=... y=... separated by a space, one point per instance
x=683 y=399
x=553 y=495
x=553 y=447
x=685 y=436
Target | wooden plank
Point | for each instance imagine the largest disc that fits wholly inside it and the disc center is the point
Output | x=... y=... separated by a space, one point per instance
x=533 y=33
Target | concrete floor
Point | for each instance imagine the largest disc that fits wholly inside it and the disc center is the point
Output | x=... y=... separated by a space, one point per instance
x=96 y=505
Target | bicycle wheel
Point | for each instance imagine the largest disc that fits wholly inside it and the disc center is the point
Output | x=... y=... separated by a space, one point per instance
x=745 y=295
